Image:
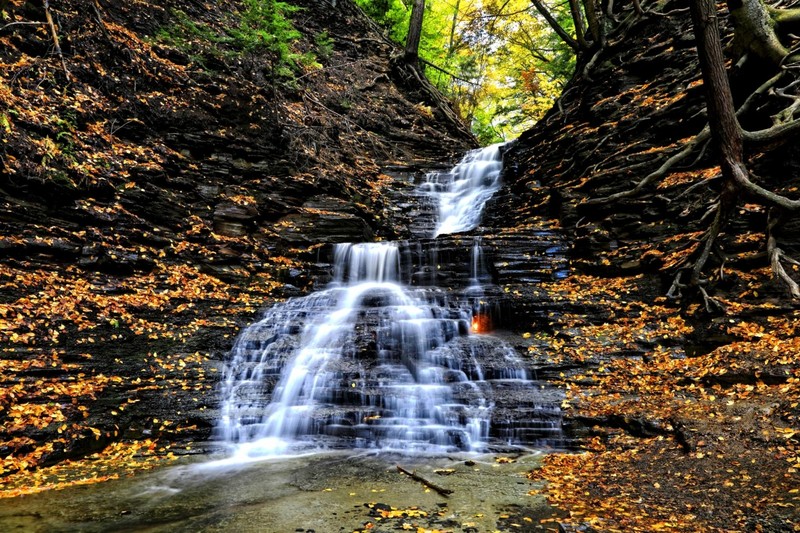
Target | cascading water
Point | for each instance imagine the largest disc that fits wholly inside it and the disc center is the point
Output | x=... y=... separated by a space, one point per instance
x=462 y=192
x=373 y=362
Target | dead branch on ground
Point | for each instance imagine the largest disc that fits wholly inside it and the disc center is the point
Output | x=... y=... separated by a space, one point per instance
x=433 y=486
x=54 y=34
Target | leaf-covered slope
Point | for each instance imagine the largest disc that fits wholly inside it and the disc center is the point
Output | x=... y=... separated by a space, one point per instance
x=625 y=120
x=688 y=418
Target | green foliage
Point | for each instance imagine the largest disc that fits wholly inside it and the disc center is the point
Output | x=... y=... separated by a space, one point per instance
x=5 y=123
x=391 y=14
x=505 y=66
x=59 y=151
x=65 y=131
x=324 y=45
x=263 y=28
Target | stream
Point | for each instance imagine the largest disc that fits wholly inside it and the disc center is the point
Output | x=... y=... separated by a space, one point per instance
x=398 y=359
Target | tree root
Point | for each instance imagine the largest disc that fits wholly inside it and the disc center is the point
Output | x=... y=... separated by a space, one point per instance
x=374 y=82
x=710 y=244
x=23 y=23
x=777 y=256
x=702 y=138
x=659 y=173
x=711 y=304
x=737 y=182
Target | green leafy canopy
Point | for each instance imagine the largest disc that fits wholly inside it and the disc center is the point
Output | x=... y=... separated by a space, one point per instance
x=499 y=62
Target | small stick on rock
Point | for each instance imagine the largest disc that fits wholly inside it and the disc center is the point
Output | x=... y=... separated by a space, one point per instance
x=430 y=485
x=54 y=33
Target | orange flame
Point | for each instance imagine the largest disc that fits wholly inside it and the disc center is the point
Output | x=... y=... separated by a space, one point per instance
x=481 y=324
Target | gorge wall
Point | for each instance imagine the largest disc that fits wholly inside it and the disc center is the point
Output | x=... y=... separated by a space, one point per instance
x=668 y=391
x=161 y=186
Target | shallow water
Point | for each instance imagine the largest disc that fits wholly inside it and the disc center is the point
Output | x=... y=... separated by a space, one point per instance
x=323 y=492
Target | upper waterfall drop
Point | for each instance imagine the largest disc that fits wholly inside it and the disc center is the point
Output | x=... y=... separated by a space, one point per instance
x=463 y=192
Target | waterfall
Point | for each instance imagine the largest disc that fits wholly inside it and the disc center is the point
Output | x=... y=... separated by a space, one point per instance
x=373 y=362
x=366 y=262
x=478 y=274
x=463 y=192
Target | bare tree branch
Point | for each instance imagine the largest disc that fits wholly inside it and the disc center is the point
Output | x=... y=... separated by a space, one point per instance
x=22 y=23
x=443 y=71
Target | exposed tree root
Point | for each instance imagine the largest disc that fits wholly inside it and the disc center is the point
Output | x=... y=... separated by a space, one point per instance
x=761 y=136
x=695 y=269
x=777 y=256
x=657 y=174
x=785 y=125
x=725 y=128
x=764 y=196
x=25 y=23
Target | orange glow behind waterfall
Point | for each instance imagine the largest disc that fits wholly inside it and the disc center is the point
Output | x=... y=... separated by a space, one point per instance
x=480 y=324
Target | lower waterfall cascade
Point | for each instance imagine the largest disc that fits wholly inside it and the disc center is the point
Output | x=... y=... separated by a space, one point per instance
x=383 y=358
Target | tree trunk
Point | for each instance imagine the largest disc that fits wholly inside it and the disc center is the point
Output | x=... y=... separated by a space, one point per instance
x=755 y=31
x=725 y=130
x=414 y=31
x=577 y=19
x=451 y=44
x=595 y=23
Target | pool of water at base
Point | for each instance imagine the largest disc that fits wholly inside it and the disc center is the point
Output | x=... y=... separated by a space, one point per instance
x=322 y=492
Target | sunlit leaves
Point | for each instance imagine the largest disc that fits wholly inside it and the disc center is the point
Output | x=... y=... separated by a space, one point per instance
x=722 y=441
x=499 y=63
x=116 y=460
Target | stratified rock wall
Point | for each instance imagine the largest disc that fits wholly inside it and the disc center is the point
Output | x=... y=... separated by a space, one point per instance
x=618 y=121
x=168 y=187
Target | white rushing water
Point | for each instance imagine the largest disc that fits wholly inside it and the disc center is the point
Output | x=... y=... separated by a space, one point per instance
x=371 y=361
x=397 y=393
x=462 y=193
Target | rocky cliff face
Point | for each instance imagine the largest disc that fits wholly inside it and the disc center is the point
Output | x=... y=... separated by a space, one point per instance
x=157 y=190
x=644 y=372
x=639 y=104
